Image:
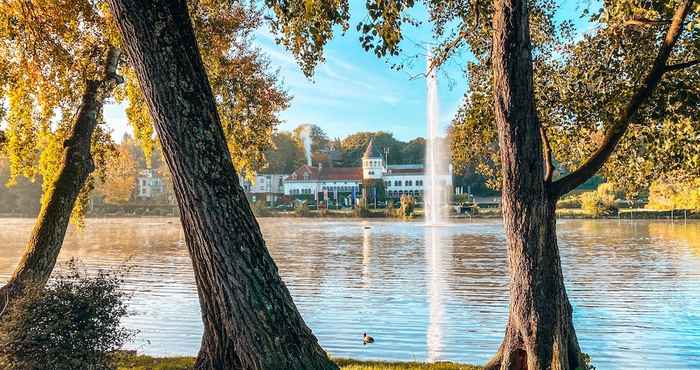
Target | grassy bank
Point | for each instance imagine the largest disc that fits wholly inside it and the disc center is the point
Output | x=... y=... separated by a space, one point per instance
x=132 y=362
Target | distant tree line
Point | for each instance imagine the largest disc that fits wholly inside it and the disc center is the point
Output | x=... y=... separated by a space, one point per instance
x=288 y=152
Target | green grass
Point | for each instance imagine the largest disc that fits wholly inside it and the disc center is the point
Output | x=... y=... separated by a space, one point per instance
x=346 y=364
x=133 y=362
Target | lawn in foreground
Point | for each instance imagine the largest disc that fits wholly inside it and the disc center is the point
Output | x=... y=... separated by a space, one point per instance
x=183 y=363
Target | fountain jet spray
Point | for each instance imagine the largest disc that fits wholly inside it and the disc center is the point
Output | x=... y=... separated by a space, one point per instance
x=434 y=190
x=305 y=136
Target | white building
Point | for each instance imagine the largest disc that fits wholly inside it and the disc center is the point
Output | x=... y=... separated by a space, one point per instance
x=149 y=184
x=270 y=186
x=316 y=181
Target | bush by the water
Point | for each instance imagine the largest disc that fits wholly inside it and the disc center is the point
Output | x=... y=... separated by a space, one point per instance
x=600 y=202
x=73 y=323
x=408 y=206
x=301 y=209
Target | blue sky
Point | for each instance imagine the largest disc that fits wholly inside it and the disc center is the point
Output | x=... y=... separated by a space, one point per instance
x=356 y=91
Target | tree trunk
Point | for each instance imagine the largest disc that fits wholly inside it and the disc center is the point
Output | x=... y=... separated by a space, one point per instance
x=540 y=333
x=41 y=252
x=250 y=320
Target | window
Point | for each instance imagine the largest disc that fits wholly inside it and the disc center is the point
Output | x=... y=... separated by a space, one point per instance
x=371 y=172
x=306 y=175
x=397 y=183
x=387 y=183
x=409 y=183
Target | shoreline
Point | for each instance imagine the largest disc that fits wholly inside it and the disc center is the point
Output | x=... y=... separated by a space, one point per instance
x=566 y=214
x=130 y=361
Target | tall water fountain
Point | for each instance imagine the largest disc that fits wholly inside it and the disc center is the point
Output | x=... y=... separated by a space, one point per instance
x=436 y=161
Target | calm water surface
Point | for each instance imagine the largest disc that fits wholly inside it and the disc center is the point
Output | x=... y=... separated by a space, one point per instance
x=423 y=293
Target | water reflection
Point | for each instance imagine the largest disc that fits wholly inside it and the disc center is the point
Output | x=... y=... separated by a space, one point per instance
x=423 y=293
x=437 y=245
x=366 y=255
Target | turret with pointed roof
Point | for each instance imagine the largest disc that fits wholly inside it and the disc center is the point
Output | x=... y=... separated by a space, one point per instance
x=371 y=152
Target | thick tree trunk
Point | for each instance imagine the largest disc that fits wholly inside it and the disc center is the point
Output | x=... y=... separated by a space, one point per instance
x=41 y=252
x=540 y=333
x=250 y=320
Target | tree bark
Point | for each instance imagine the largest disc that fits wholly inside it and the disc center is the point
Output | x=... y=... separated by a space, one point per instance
x=41 y=252
x=540 y=333
x=250 y=320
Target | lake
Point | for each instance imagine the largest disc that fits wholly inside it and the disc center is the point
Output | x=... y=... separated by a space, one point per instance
x=423 y=293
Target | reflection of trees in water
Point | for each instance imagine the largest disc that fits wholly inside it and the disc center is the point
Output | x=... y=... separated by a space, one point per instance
x=478 y=271
x=104 y=243
x=627 y=280
x=685 y=233
x=615 y=252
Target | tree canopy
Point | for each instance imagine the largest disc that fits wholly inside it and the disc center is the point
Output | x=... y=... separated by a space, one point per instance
x=48 y=50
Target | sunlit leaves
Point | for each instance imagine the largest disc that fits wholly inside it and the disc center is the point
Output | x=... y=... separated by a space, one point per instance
x=674 y=194
x=305 y=26
x=581 y=87
x=48 y=49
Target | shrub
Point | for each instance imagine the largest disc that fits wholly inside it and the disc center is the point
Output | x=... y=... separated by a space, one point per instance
x=408 y=206
x=73 y=323
x=302 y=210
x=461 y=198
x=600 y=202
x=390 y=210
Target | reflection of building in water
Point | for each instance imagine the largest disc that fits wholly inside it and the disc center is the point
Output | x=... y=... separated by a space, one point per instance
x=437 y=245
x=366 y=256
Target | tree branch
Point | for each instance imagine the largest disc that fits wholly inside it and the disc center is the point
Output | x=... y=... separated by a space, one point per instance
x=111 y=78
x=676 y=67
x=619 y=126
x=547 y=152
x=643 y=21
x=446 y=49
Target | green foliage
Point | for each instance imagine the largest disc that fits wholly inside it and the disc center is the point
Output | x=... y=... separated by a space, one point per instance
x=461 y=198
x=304 y=27
x=582 y=85
x=73 y=323
x=319 y=141
x=600 y=202
x=408 y=206
x=285 y=156
x=400 y=152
